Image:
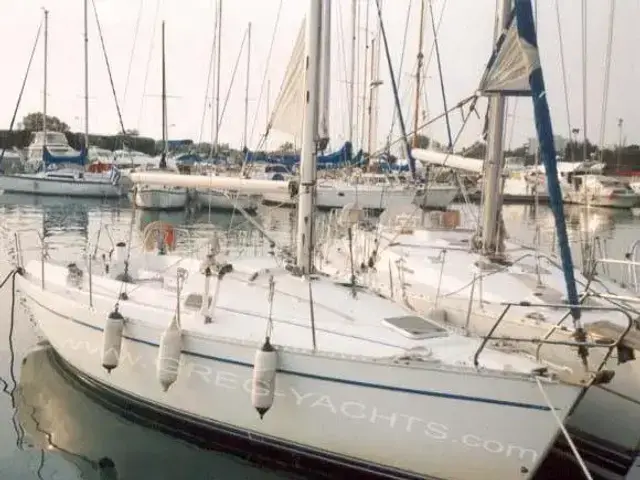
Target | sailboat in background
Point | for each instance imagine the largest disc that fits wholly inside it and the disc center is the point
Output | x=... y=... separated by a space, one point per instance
x=161 y=197
x=368 y=191
x=64 y=175
x=267 y=349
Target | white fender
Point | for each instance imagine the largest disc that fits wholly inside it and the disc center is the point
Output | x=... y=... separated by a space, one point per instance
x=168 y=362
x=264 y=378
x=112 y=340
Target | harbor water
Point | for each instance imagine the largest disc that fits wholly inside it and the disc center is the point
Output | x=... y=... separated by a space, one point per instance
x=54 y=426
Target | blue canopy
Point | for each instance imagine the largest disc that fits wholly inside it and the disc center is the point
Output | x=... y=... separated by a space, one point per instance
x=49 y=159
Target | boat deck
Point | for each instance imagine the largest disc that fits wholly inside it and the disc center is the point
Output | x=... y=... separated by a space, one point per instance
x=359 y=324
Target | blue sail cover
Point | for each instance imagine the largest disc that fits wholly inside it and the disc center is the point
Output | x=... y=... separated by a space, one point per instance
x=339 y=158
x=49 y=159
x=514 y=69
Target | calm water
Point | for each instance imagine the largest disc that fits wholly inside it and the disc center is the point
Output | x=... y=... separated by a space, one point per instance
x=51 y=427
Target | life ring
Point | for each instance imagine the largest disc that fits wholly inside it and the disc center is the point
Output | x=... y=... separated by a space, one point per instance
x=156 y=231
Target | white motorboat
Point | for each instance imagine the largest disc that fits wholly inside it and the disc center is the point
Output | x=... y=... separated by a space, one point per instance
x=587 y=186
x=270 y=350
x=56 y=144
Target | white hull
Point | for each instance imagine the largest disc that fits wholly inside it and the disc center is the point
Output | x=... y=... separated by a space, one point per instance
x=436 y=196
x=518 y=187
x=611 y=201
x=420 y=419
x=417 y=272
x=168 y=198
x=44 y=382
x=38 y=184
x=220 y=201
x=367 y=197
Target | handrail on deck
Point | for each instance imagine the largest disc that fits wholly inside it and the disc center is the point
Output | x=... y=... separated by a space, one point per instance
x=609 y=346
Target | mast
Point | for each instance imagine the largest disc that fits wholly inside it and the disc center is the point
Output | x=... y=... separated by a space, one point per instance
x=163 y=158
x=373 y=85
x=620 y=142
x=416 y=108
x=494 y=159
x=325 y=85
x=352 y=75
x=217 y=129
x=86 y=79
x=309 y=137
x=44 y=94
x=214 y=122
x=396 y=97
x=246 y=88
x=364 y=72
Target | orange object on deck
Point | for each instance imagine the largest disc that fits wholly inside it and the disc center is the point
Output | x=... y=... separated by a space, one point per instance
x=98 y=167
x=156 y=231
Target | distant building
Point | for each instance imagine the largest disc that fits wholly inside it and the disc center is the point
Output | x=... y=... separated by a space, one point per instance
x=559 y=141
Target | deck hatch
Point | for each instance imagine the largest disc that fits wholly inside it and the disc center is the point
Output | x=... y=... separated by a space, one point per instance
x=194 y=301
x=415 y=327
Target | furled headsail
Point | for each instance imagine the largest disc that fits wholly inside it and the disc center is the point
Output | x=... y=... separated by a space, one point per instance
x=288 y=110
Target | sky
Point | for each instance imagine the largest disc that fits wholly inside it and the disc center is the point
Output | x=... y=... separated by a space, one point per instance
x=465 y=38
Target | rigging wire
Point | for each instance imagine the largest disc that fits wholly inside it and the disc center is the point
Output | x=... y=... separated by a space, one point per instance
x=607 y=77
x=106 y=59
x=266 y=70
x=215 y=67
x=583 y=12
x=206 y=91
x=394 y=87
x=564 y=70
x=426 y=64
x=133 y=49
x=233 y=76
x=342 y=52
x=394 y=115
x=442 y=89
x=146 y=72
x=24 y=83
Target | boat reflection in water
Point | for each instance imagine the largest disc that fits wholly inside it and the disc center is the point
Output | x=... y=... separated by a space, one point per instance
x=84 y=434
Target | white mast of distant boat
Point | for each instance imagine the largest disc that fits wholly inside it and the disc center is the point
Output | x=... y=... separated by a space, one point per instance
x=86 y=79
x=44 y=91
x=165 y=145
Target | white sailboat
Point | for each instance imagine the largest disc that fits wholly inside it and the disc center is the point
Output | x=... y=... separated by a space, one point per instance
x=431 y=265
x=214 y=341
x=161 y=197
x=62 y=174
x=287 y=118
